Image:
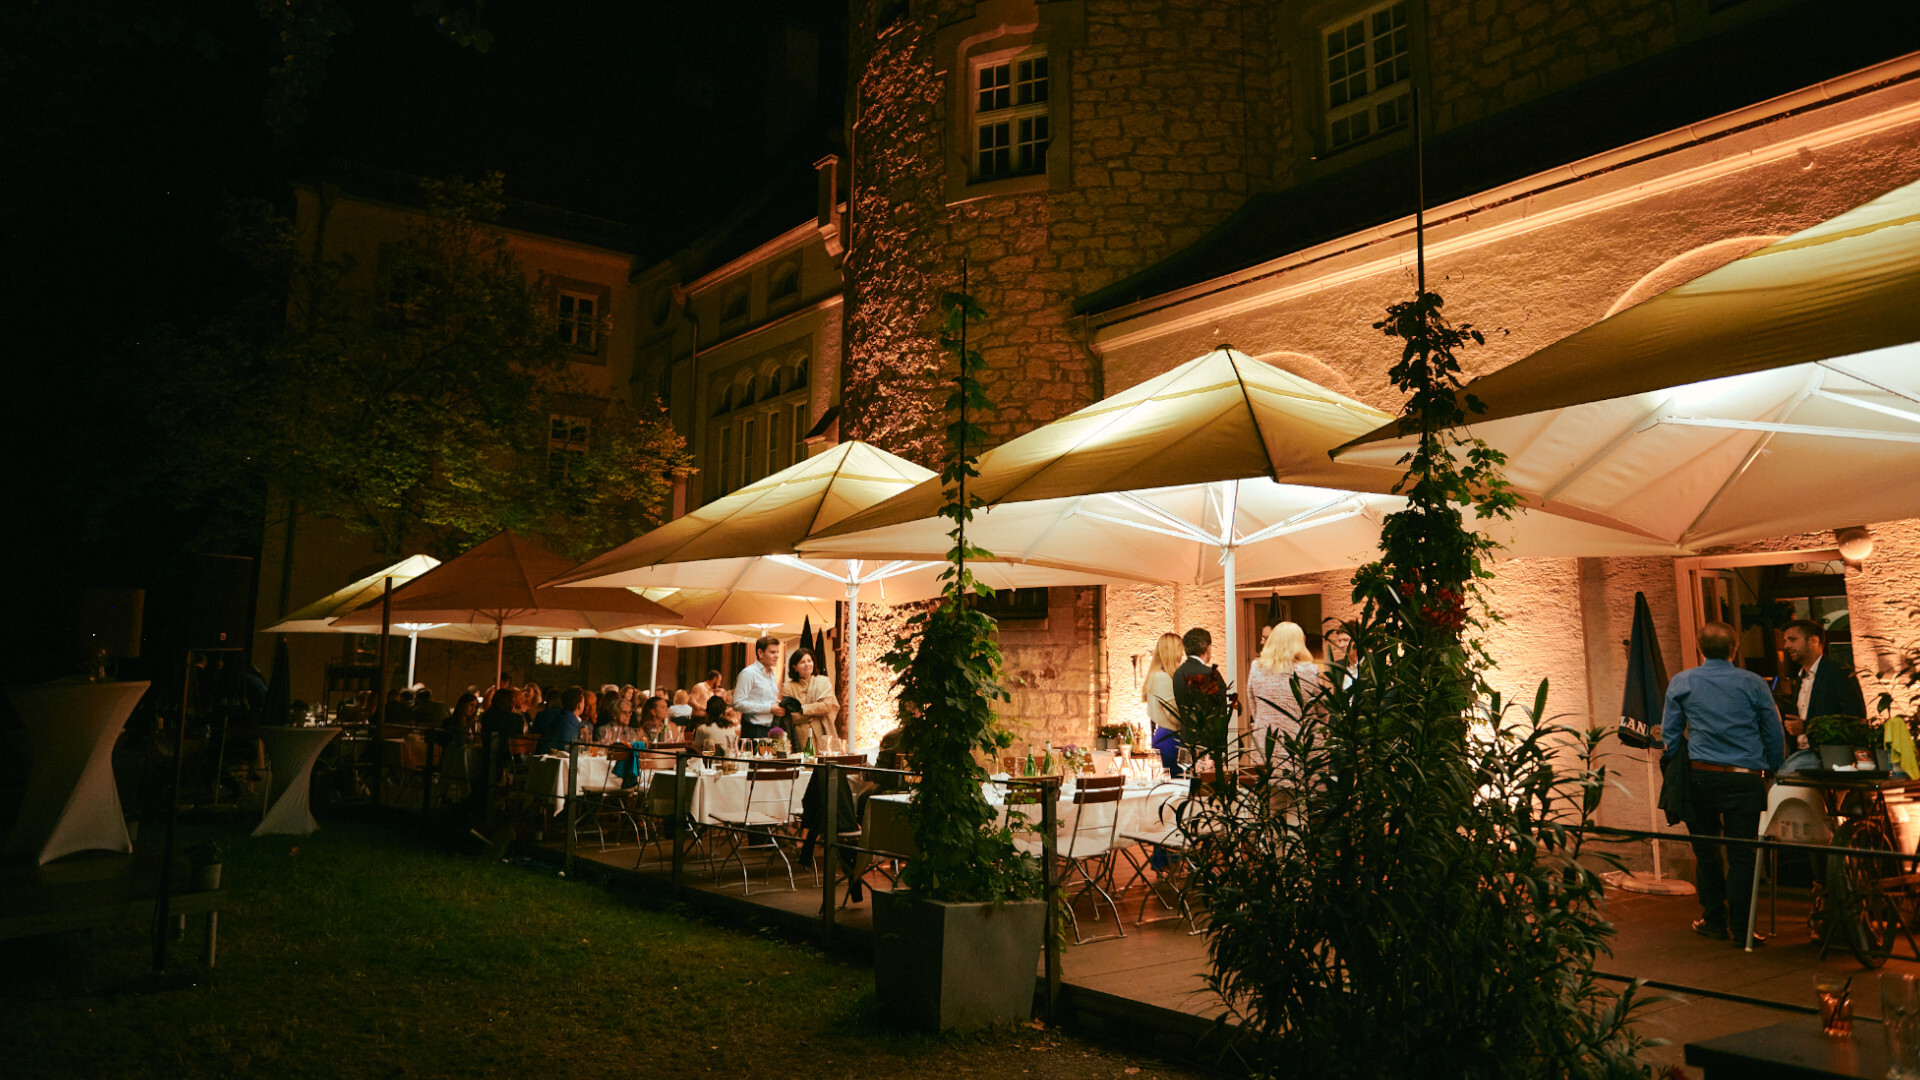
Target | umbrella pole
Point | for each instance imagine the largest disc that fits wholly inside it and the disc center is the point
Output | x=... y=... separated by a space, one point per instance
x=1653 y=819
x=653 y=674
x=499 y=651
x=413 y=653
x=853 y=659
x=1658 y=884
x=1233 y=640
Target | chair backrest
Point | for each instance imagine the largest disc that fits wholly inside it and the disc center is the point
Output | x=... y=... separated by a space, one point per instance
x=668 y=746
x=770 y=788
x=843 y=759
x=1095 y=791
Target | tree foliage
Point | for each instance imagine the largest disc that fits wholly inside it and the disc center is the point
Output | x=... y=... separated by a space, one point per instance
x=414 y=400
x=1400 y=888
x=949 y=678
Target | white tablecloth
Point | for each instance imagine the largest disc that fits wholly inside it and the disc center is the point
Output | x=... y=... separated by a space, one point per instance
x=291 y=752
x=1143 y=809
x=71 y=804
x=548 y=776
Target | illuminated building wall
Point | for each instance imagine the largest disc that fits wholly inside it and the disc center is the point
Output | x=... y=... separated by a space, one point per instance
x=1168 y=118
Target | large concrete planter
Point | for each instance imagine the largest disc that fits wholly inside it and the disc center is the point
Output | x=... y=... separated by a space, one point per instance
x=944 y=967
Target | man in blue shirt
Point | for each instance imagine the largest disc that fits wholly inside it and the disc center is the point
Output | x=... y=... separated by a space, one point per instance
x=560 y=727
x=1734 y=738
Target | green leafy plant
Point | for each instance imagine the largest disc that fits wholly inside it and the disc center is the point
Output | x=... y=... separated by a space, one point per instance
x=948 y=680
x=421 y=402
x=206 y=853
x=1399 y=887
x=1839 y=731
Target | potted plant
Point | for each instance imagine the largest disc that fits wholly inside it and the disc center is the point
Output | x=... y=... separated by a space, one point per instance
x=958 y=943
x=205 y=858
x=1112 y=736
x=1839 y=737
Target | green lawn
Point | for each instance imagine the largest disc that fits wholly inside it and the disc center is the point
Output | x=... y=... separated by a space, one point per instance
x=362 y=952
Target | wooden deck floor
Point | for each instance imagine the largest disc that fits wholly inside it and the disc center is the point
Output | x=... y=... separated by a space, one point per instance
x=1162 y=967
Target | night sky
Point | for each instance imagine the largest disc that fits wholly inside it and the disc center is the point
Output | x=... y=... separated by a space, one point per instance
x=129 y=127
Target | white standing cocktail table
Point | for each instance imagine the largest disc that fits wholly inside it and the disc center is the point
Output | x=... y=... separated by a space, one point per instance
x=291 y=752
x=71 y=803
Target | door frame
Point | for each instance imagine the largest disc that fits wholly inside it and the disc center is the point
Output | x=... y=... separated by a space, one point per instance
x=1687 y=593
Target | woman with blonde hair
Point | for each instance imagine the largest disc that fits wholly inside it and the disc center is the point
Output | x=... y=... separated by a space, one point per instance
x=1157 y=692
x=1282 y=684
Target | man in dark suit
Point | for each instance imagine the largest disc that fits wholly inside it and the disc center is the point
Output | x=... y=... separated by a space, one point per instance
x=1196 y=679
x=1827 y=687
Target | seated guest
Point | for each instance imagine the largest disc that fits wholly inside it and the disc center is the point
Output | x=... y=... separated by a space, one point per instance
x=682 y=708
x=705 y=689
x=656 y=723
x=616 y=721
x=426 y=711
x=721 y=731
x=561 y=727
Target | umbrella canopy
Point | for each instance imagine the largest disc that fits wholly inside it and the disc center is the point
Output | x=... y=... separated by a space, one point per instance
x=1777 y=394
x=499 y=583
x=748 y=542
x=1213 y=472
x=319 y=617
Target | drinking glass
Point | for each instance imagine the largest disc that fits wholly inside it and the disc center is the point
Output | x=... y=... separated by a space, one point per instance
x=1900 y=1019
x=1836 y=1004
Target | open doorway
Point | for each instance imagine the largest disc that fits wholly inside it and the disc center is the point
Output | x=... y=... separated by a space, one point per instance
x=1758 y=594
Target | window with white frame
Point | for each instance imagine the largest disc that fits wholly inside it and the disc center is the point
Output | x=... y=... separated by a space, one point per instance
x=553 y=651
x=723 y=475
x=566 y=445
x=579 y=325
x=1368 y=74
x=1011 y=124
x=748 y=432
x=799 y=425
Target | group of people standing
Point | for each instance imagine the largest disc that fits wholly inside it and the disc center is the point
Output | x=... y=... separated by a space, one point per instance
x=797 y=698
x=1284 y=682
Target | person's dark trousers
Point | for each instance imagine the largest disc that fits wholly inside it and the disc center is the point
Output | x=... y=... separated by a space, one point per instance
x=1167 y=742
x=1726 y=804
x=753 y=729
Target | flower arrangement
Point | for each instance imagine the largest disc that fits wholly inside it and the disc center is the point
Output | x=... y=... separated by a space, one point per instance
x=1074 y=759
x=780 y=745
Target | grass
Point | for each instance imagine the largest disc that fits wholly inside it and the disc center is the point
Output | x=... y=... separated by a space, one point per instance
x=362 y=952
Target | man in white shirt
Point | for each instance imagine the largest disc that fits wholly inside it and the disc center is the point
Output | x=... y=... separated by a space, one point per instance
x=756 y=693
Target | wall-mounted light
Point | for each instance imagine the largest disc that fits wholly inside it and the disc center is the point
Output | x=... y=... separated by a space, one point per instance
x=1855 y=543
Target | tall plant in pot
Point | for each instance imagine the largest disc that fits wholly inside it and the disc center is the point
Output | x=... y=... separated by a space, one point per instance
x=1398 y=887
x=959 y=943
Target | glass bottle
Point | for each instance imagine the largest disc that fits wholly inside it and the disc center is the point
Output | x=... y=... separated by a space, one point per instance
x=1029 y=769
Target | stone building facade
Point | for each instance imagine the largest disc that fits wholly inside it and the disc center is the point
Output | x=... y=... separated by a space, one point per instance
x=1225 y=172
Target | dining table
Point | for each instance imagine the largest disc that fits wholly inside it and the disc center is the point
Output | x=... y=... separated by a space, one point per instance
x=71 y=803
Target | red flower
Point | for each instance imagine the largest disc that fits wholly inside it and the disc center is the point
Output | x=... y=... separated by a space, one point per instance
x=1446 y=610
x=1205 y=683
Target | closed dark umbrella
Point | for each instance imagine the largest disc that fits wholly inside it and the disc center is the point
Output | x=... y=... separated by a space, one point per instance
x=1641 y=708
x=806 y=639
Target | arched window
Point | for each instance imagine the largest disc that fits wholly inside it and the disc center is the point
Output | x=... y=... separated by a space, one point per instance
x=786 y=282
x=736 y=306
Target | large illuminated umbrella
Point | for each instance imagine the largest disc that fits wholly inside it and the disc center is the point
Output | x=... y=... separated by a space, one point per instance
x=321 y=616
x=1775 y=395
x=747 y=542
x=499 y=586
x=1213 y=472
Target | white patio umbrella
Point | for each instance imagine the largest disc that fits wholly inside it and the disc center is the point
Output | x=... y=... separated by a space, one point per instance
x=747 y=542
x=1210 y=473
x=1777 y=394
x=497 y=586
x=320 y=617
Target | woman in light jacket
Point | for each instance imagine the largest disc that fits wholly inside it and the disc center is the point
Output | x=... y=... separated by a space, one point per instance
x=1157 y=692
x=1282 y=684
x=818 y=707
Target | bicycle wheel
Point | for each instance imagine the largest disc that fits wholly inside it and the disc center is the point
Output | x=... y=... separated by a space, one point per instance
x=1860 y=914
